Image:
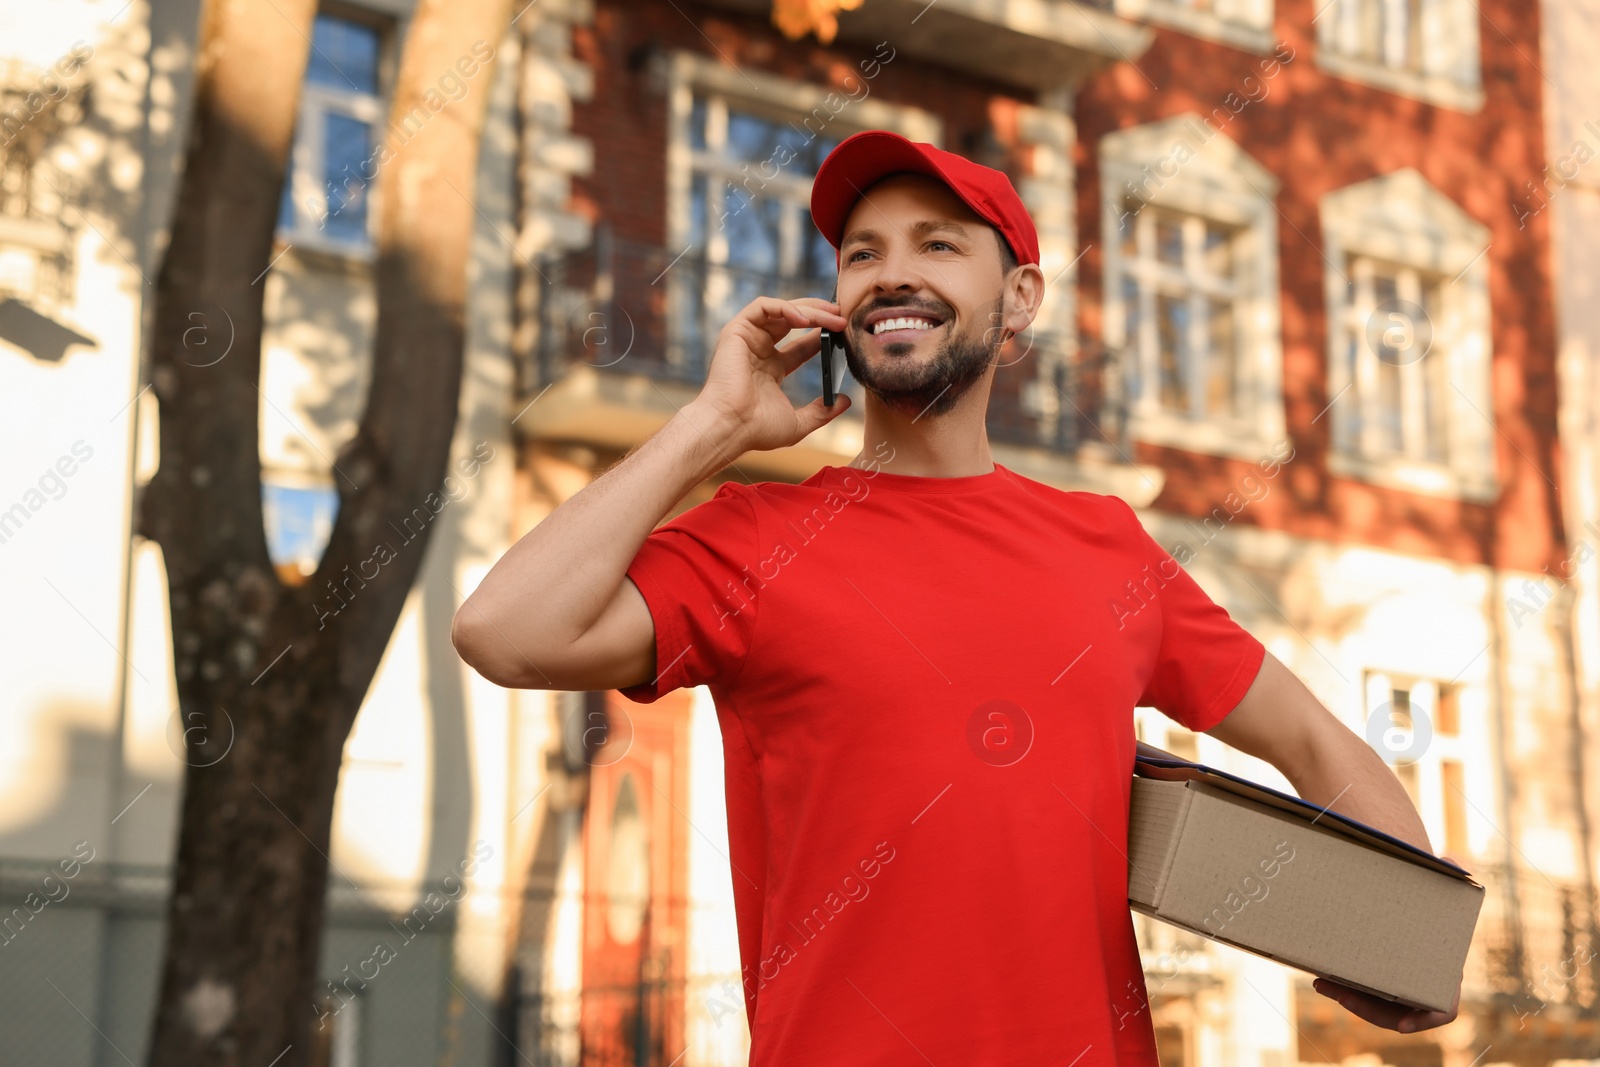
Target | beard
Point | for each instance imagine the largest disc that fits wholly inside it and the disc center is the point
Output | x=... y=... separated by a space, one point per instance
x=913 y=385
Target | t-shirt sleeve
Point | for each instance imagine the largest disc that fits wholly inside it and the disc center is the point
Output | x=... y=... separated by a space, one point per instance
x=692 y=571
x=1205 y=661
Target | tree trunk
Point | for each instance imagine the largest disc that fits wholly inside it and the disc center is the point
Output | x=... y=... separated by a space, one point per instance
x=265 y=735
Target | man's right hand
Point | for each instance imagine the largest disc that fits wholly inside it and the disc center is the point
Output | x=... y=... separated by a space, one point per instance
x=745 y=381
x=558 y=610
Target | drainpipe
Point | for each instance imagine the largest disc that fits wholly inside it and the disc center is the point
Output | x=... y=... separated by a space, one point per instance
x=1566 y=623
x=1506 y=786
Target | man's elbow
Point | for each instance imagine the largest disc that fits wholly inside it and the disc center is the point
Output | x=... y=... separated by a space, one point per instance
x=486 y=650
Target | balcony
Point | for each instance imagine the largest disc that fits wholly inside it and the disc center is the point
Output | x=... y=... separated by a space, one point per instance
x=36 y=244
x=623 y=335
x=1038 y=44
x=1531 y=980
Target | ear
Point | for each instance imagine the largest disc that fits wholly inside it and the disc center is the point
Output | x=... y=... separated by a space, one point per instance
x=1023 y=293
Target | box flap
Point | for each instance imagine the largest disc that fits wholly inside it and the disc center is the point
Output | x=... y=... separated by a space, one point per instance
x=1152 y=762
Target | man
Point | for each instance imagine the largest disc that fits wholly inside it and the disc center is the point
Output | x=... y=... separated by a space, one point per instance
x=924 y=676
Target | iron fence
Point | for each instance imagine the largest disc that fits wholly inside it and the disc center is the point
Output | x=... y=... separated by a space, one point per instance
x=1537 y=941
x=624 y=307
x=94 y=955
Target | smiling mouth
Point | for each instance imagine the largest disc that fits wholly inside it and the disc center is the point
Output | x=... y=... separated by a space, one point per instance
x=902 y=328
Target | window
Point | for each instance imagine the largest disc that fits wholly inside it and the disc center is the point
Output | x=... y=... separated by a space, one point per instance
x=1408 y=347
x=1191 y=287
x=1181 y=301
x=1401 y=387
x=753 y=232
x=744 y=148
x=327 y=192
x=1422 y=48
x=336 y=1040
x=1244 y=24
x=1415 y=724
x=1387 y=32
x=299 y=520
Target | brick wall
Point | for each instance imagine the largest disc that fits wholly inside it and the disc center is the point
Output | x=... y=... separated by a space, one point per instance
x=1319 y=133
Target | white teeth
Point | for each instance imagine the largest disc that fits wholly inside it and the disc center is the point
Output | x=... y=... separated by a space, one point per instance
x=902 y=324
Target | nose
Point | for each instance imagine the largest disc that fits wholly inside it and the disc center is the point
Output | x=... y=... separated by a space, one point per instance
x=897 y=271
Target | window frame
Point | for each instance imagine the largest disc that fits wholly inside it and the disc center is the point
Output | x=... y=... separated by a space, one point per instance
x=1244 y=24
x=344 y=1045
x=1449 y=63
x=1217 y=181
x=690 y=74
x=1400 y=219
x=1379 y=687
x=306 y=174
x=1412 y=375
x=1154 y=278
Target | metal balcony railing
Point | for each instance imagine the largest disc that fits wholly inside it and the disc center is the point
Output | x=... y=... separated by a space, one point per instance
x=622 y=307
x=1537 y=942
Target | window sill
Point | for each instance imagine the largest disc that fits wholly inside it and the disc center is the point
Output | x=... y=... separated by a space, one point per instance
x=322 y=256
x=1431 y=479
x=1246 y=38
x=1427 y=88
x=38 y=234
x=1206 y=438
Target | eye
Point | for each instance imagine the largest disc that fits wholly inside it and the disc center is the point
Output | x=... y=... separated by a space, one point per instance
x=947 y=244
x=851 y=258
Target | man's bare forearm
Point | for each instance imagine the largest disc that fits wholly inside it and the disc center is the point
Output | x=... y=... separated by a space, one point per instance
x=1349 y=777
x=552 y=585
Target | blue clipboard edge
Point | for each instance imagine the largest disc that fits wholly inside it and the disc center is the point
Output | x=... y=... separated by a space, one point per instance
x=1358 y=829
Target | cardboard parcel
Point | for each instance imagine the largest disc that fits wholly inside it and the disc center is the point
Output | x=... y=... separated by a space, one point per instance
x=1272 y=874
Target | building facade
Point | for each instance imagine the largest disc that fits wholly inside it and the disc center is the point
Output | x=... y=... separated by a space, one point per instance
x=1315 y=307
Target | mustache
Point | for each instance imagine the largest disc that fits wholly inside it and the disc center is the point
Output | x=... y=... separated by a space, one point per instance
x=941 y=312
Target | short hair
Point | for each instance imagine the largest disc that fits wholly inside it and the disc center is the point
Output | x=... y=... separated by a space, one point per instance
x=1008 y=258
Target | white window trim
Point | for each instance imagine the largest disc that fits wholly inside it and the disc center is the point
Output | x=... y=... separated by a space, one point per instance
x=1223 y=183
x=689 y=72
x=1452 y=80
x=308 y=174
x=1244 y=24
x=346 y=1050
x=1402 y=219
x=1380 y=686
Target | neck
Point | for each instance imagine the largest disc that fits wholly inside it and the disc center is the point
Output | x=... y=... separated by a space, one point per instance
x=952 y=445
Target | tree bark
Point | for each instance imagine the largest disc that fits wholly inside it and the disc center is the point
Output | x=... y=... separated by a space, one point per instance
x=270 y=674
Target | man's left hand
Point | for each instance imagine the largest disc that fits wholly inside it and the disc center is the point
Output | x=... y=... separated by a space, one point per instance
x=1386 y=1013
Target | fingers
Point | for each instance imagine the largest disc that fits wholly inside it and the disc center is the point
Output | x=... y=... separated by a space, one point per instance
x=779 y=317
x=1380 y=1012
x=814 y=415
x=796 y=351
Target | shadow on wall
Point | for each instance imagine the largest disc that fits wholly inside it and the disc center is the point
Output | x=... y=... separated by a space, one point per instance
x=42 y=337
x=57 y=943
x=73 y=764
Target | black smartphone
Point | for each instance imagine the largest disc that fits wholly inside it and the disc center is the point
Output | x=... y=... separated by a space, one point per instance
x=834 y=347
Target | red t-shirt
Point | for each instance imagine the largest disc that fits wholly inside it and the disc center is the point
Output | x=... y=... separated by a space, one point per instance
x=925 y=688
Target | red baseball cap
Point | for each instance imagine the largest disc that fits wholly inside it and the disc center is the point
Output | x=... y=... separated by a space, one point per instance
x=861 y=159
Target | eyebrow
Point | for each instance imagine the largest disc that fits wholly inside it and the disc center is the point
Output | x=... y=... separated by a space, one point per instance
x=918 y=229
